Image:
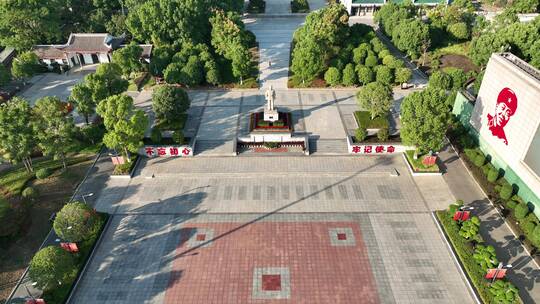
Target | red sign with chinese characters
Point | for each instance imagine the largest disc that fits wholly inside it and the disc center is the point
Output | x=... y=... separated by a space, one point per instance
x=164 y=151
x=373 y=149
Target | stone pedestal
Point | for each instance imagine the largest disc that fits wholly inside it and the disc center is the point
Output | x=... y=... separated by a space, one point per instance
x=271 y=115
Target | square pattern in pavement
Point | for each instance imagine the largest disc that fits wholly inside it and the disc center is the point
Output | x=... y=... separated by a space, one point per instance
x=394 y=259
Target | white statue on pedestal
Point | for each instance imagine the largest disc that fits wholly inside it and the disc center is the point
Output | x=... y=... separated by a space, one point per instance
x=270 y=113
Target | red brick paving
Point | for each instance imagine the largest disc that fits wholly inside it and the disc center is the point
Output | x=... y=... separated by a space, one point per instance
x=201 y=237
x=319 y=272
x=341 y=236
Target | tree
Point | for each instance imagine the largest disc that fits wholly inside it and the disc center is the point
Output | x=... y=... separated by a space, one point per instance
x=388 y=60
x=168 y=21
x=360 y=53
x=81 y=96
x=76 y=222
x=169 y=102
x=483 y=46
x=459 y=30
x=193 y=72
x=106 y=81
x=424 y=118
x=308 y=60
x=161 y=58
x=365 y=74
x=403 y=75
x=25 y=23
x=349 y=75
x=5 y=76
x=361 y=133
x=16 y=133
x=375 y=97
x=51 y=267
x=332 y=76
x=125 y=125
x=241 y=62
x=535 y=54
x=526 y=6
x=410 y=36
x=25 y=65
x=128 y=58
x=458 y=77
x=385 y=75
x=440 y=80
x=227 y=32
x=54 y=130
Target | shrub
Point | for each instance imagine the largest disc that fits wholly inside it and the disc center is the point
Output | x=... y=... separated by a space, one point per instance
x=459 y=30
x=349 y=75
x=93 y=133
x=535 y=235
x=383 y=134
x=471 y=154
x=155 y=136
x=360 y=53
x=521 y=211
x=51 y=267
x=485 y=257
x=493 y=175
x=469 y=229
x=332 y=76
x=403 y=75
x=455 y=207
x=371 y=61
x=383 y=55
x=361 y=133
x=385 y=75
x=178 y=137
x=76 y=222
x=43 y=173
x=30 y=193
x=528 y=228
x=479 y=160
x=365 y=74
x=168 y=102
x=388 y=60
x=503 y=292
x=458 y=77
x=511 y=204
x=486 y=168
x=506 y=191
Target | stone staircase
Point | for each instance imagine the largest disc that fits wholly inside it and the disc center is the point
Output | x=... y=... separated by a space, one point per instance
x=328 y=146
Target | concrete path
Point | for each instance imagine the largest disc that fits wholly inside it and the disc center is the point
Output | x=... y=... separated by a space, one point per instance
x=316 y=4
x=524 y=273
x=274 y=36
x=278 y=7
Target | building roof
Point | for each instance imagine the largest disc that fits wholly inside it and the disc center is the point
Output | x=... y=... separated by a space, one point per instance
x=6 y=54
x=49 y=51
x=147 y=49
x=92 y=43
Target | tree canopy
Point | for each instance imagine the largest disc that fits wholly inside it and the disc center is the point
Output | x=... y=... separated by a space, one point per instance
x=76 y=222
x=51 y=267
x=53 y=129
x=125 y=125
x=376 y=97
x=16 y=134
x=424 y=118
x=169 y=102
x=128 y=58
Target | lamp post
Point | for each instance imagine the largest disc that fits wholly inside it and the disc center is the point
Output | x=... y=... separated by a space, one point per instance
x=86 y=195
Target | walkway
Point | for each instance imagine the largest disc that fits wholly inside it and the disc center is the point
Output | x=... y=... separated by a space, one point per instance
x=274 y=36
x=525 y=273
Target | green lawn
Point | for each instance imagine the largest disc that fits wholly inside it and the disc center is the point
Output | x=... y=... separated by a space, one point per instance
x=363 y=118
x=417 y=164
x=457 y=48
x=177 y=124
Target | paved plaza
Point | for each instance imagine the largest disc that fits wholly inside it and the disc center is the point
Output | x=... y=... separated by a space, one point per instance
x=270 y=229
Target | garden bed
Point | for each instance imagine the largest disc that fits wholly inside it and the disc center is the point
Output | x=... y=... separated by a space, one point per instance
x=126 y=169
x=258 y=124
x=86 y=247
x=464 y=250
x=373 y=139
x=416 y=164
x=363 y=118
x=490 y=189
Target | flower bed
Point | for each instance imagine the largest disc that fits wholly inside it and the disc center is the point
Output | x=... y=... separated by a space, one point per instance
x=127 y=168
x=465 y=250
x=257 y=123
x=417 y=165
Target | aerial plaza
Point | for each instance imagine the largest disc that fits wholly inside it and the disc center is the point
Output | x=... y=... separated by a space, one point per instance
x=271 y=152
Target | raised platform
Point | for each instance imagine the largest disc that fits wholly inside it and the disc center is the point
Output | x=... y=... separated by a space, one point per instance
x=282 y=125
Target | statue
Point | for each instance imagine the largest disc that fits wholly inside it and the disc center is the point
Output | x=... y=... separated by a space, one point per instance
x=270 y=113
